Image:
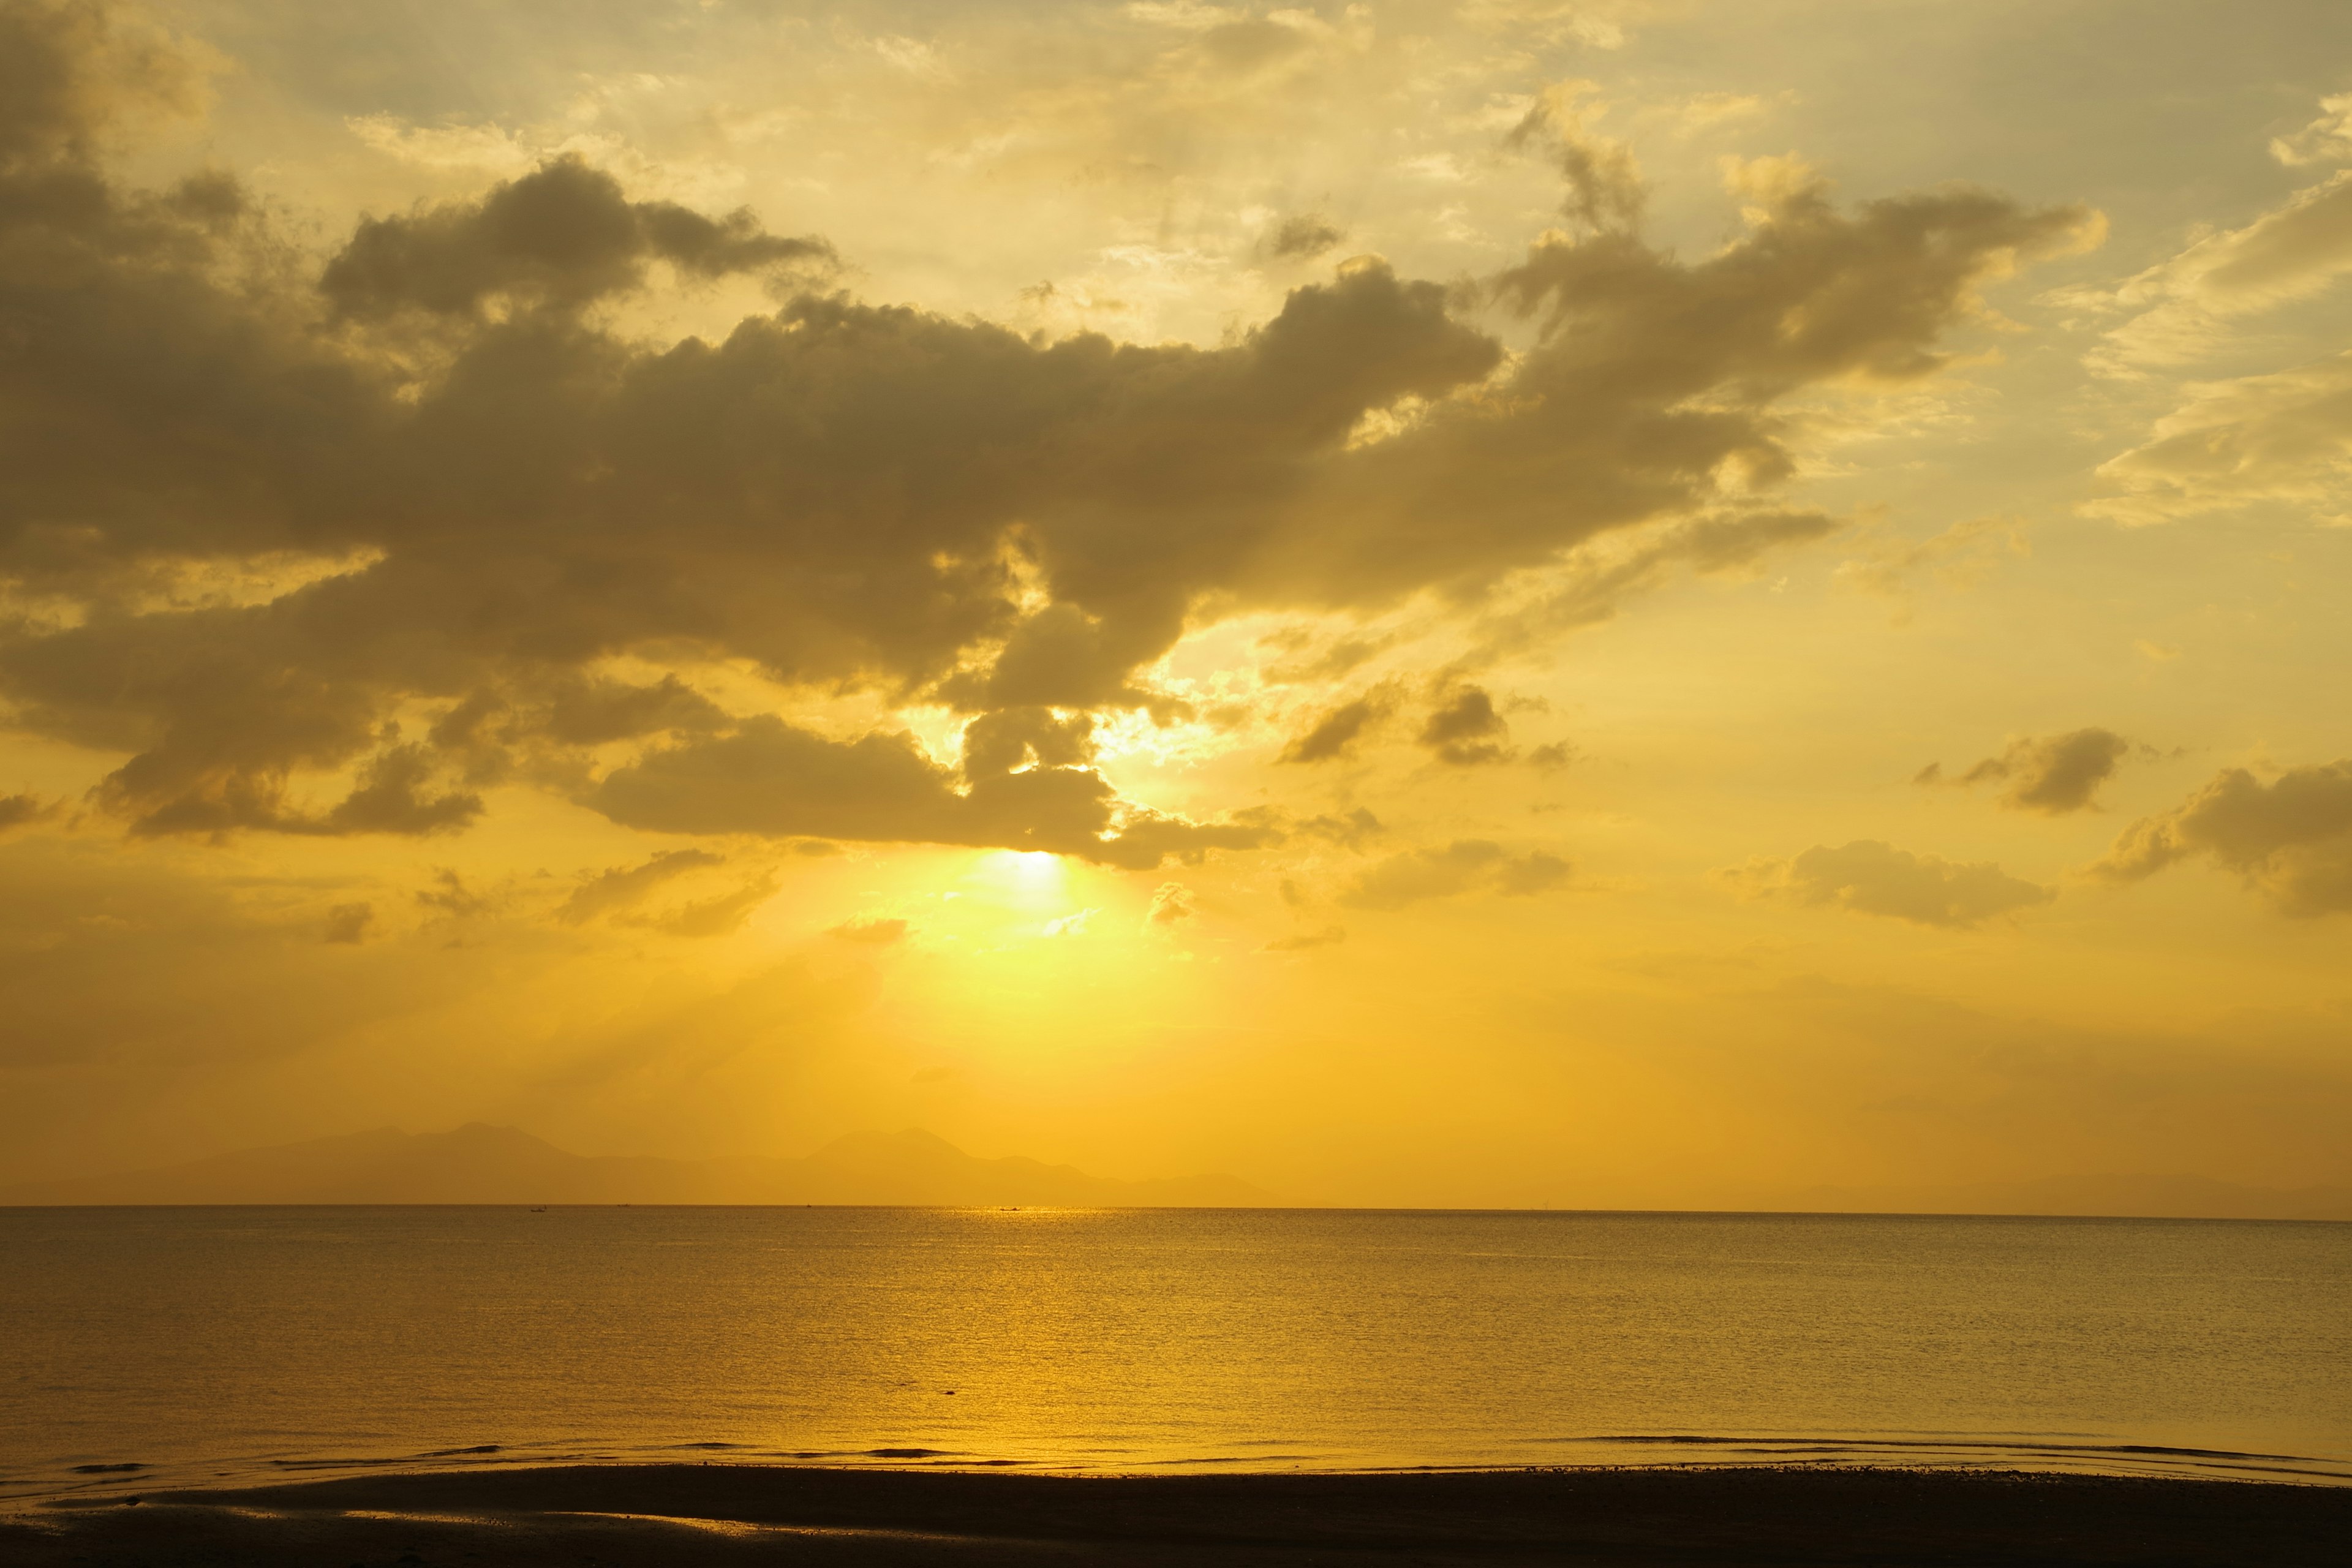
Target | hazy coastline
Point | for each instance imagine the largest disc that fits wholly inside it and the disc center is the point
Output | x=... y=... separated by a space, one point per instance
x=482 y=1164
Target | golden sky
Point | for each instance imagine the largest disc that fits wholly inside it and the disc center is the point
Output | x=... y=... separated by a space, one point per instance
x=1500 y=603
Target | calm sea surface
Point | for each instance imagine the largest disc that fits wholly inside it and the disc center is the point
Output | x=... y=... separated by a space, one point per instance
x=207 y=1345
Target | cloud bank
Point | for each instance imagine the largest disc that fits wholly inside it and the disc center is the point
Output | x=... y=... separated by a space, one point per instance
x=2291 y=837
x=1873 y=877
x=465 y=493
x=2052 y=774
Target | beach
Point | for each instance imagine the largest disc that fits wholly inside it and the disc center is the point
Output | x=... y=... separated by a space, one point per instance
x=684 y=1516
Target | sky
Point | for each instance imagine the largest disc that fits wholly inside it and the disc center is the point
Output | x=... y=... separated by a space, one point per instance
x=1508 y=603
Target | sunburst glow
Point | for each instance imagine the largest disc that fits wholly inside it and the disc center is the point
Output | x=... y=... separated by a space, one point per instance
x=1423 y=603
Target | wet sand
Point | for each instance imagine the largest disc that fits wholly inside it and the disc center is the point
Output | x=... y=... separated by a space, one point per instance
x=687 y=1516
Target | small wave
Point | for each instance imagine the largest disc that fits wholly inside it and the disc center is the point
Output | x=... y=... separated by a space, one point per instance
x=1969 y=1450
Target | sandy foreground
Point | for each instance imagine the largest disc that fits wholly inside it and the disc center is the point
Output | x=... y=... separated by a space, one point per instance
x=684 y=1516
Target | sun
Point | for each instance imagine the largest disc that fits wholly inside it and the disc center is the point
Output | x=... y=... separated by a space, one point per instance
x=1025 y=876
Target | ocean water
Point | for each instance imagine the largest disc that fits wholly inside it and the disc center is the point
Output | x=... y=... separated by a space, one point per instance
x=210 y=1346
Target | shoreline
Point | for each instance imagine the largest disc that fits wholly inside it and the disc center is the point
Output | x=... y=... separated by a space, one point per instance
x=723 y=1512
x=96 y=1483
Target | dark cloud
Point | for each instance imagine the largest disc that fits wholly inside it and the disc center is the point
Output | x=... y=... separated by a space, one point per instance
x=589 y=712
x=2291 y=837
x=777 y=780
x=1873 y=878
x=1303 y=237
x=2051 y=773
x=717 y=916
x=1014 y=738
x=451 y=896
x=479 y=495
x=1335 y=735
x=560 y=237
x=393 y=794
x=1467 y=865
x=1604 y=187
x=627 y=887
x=17 y=810
x=69 y=71
x=1351 y=830
x=1464 y=730
x=392 y=797
x=1333 y=662
x=349 y=923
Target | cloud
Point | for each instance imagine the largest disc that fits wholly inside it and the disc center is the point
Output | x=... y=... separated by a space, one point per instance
x=1605 y=184
x=591 y=712
x=1873 y=878
x=2291 y=839
x=1335 y=735
x=479 y=494
x=2326 y=140
x=2288 y=253
x=2184 y=306
x=451 y=896
x=1353 y=830
x=717 y=916
x=490 y=147
x=2284 y=438
x=560 y=237
x=19 y=810
x=1960 y=556
x=1308 y=940
x=1595 y=580
x=626 y=887
x=2053 y=774
x=348 y=923
x=161 y=794
x=1016 y=737
x=778 y=781
x=1171 y=904
x=1467 y=865
x=1704 y=110
x=1464 y=730
x=389 y=798
x=69 y=74
x=1303 y=237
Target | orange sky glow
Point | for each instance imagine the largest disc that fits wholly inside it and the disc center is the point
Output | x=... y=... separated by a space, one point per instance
x=1523 y=602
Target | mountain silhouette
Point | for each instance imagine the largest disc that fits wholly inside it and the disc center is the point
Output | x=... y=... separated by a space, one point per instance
x=480 y=1163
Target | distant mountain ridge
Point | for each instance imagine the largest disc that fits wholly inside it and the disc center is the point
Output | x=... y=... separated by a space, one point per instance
x=480 y=1163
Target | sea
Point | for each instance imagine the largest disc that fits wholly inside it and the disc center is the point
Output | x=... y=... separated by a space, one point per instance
x=165 y=1347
